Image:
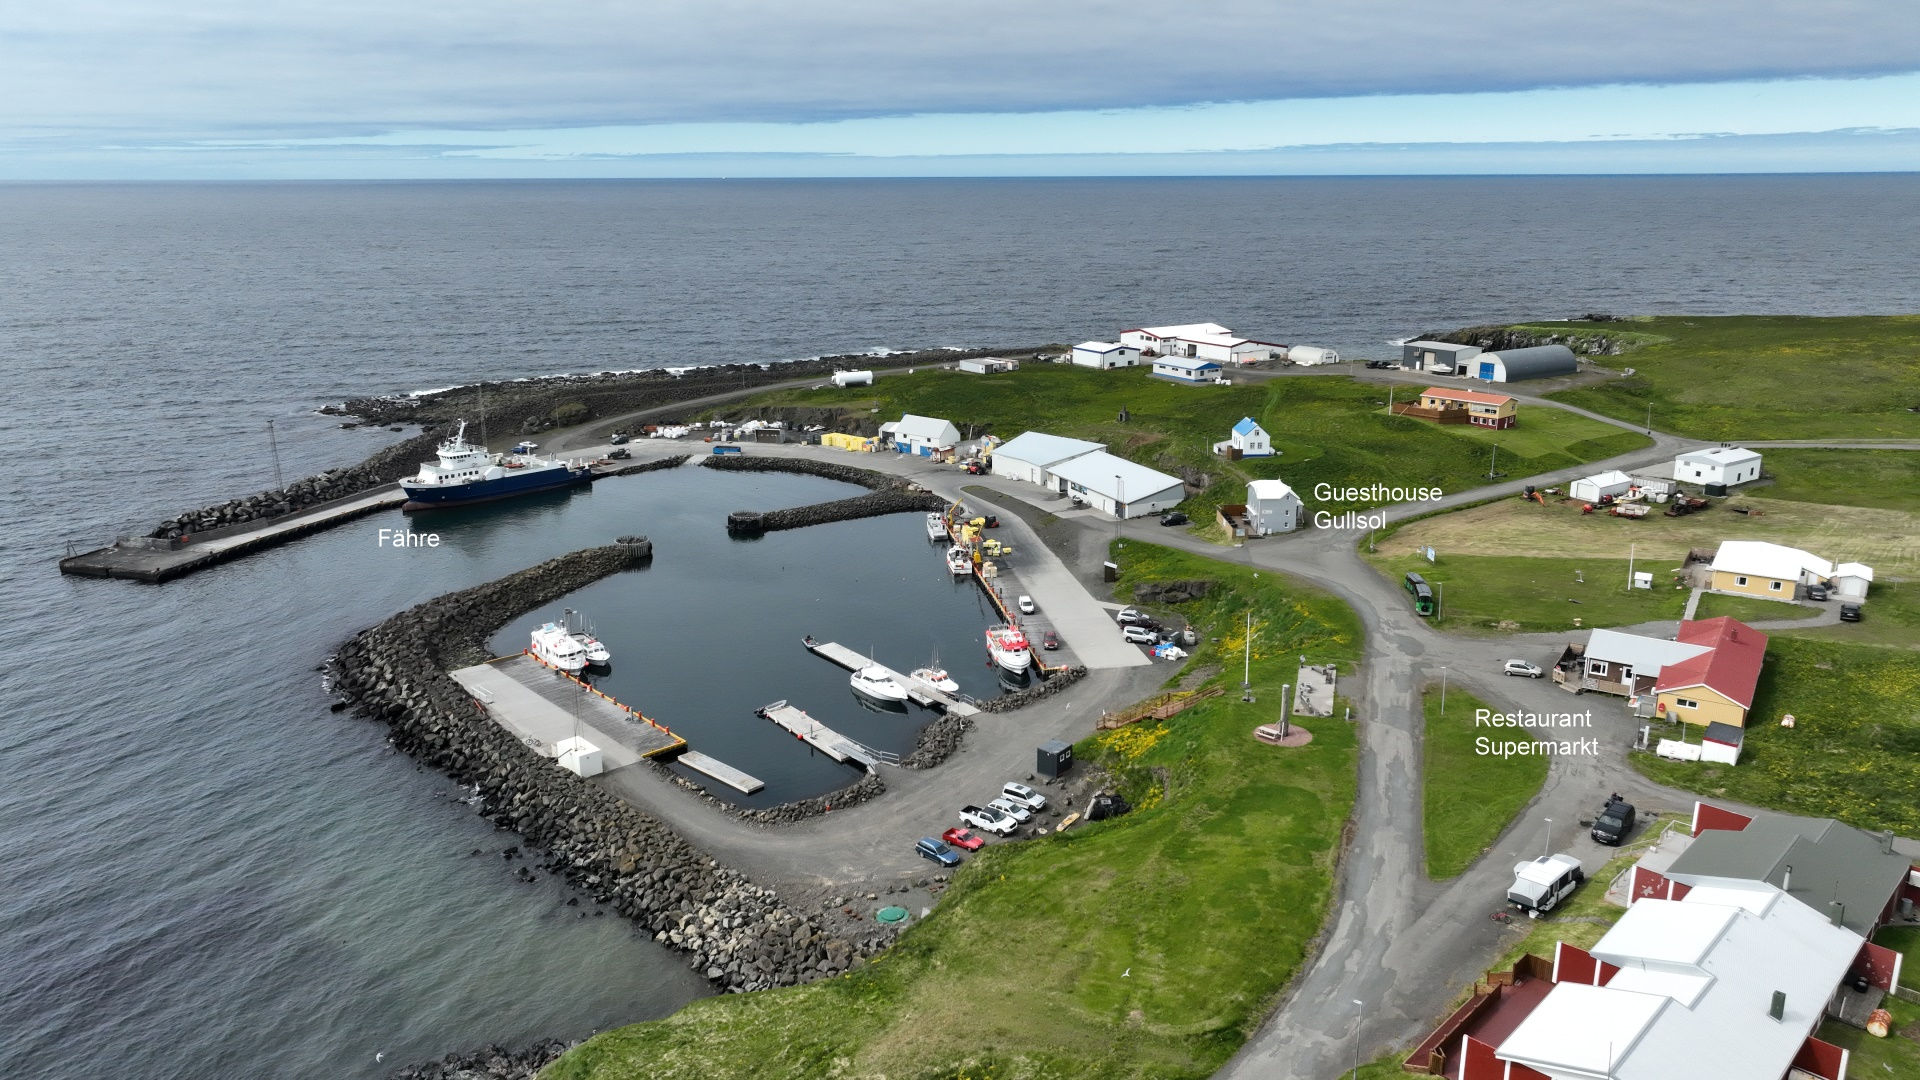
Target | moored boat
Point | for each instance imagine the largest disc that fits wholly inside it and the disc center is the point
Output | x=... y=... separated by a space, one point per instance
x=466 y=473
x=1010 y=648
x=937 y=678
x=555 y=645
x=598 y=655
x=958 y=563
x=937 y=527
x=876 y=682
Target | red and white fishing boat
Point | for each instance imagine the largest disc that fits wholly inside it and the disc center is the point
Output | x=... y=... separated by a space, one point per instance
x=1010 y=648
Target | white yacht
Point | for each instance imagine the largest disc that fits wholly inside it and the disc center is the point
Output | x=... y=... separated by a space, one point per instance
x=598 y=654
x=958 y=563
x=874 y=681
x=555 y=645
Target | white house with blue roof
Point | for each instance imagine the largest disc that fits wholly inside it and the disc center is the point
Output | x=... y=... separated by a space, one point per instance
x=1250 y=439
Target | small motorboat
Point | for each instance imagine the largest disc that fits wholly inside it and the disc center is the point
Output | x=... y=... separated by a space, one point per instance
x=875 y=682
x=937 y=678
x=958 y=562
x=937 y=527
x=598 y=654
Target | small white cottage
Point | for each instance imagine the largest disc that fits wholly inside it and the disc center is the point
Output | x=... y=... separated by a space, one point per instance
x=1250 y=439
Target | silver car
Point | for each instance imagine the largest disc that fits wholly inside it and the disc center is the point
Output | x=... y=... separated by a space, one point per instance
x=1522 y=669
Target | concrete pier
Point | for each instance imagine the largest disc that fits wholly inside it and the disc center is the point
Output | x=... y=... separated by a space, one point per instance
x=824 y=739
x=922 y=692
x=545 y=707
x=721 y=771
x=141 y=558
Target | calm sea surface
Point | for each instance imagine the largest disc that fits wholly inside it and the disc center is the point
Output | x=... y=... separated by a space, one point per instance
x=208 y=874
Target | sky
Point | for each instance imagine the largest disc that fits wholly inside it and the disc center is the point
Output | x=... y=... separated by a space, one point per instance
x=240 y=89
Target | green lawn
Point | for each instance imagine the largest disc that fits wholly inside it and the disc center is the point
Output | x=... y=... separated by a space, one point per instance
x=1587 y=916
x=1889 y=479
x=1149 y=946
x=1523 y=593
x=1871 y=1058
x=1891 y=616
x=1853 y=754
x=1761 y=377
x=1327 y=428
x=1469 y=797
x=1904 y=940
x=1751 y=609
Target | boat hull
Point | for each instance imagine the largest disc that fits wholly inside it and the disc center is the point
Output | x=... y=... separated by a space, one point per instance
x=436 y=497
x=1017 y=661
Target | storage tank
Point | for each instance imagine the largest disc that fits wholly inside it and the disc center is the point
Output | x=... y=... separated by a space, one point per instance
x=853 y=378
x=1312 y=354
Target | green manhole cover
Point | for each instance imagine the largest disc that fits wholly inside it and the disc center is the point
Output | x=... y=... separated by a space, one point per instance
x=891 y=914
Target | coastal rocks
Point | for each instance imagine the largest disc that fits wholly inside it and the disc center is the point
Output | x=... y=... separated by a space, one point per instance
x=890 y=495
x=1053 y=685
x=1170 y=592
x=390 y=464
x=1497 y=338
x=937 y=741
x=832 y=470
x=870 y=786
x=487 y=1063
x=742 y=936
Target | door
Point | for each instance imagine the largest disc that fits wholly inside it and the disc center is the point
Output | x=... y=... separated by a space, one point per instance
x=1486 y=370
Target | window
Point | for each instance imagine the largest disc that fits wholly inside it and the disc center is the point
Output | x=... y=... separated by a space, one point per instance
x=1775 y=586
x=1741 y=580
x=1596 y=667
x=1686 y=703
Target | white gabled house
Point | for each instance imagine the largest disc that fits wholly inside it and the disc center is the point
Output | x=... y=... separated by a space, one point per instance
x=1728 y=465
x=924 y=436
x=1251 y=439
x=1272 y=507
x=1105 y=355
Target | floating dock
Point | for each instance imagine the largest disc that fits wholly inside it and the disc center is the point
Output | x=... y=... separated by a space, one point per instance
x=922 y=692
x=545 y=707
x=721 y=771
x=142 y=558
x=824 y=739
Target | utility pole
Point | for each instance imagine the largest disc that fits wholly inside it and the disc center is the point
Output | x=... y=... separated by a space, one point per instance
x=1493 y=462
x=273 y=443
x=1649 y=417
x=1630 y=548
x=1443 y=690
x=1246 y=675
x=1356 y=1038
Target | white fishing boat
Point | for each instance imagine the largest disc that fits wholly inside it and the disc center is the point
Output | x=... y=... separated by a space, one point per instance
x=937 y=527
x=1009 y=648
x=957 y=561
x=937 y=678
x=555 y=646
x=877 y=683
x=598 y=654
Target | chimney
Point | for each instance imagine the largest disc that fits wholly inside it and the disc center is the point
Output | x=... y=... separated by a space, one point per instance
x=1837 y=911
x=1778 y=1010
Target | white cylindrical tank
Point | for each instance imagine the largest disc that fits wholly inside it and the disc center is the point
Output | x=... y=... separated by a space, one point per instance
x=1312 y=354
x=853 y=378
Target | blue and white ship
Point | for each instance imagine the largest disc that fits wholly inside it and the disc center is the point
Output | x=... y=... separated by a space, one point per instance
x=466 y=473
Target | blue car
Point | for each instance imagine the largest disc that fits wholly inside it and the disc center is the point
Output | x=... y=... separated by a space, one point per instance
x=937 y=851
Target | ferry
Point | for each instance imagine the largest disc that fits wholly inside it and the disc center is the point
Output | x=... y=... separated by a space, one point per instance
x=555 y=646
x=466 y=473
x=1009 y=648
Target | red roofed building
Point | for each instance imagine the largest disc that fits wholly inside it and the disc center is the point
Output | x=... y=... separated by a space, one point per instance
x=1715 y=687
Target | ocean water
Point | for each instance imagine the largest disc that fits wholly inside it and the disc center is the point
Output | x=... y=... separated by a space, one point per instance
x=209 y=874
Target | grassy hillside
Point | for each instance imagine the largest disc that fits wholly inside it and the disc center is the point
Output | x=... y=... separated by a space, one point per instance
x=1148 y=946
x=1888 y=479
x=1327 y=428
x=1762 y=377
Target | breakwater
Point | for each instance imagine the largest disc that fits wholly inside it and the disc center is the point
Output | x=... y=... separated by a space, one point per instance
x=739 y=935
x=384 y=467
x=1498 y=338
x=889 y=495
x=1050 y=686
x=487 y=1063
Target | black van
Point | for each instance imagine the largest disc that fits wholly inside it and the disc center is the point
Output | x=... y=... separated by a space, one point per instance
x=1615 y=821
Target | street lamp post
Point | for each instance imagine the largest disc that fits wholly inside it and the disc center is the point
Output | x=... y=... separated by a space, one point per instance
x=1356 y=1037
x=1443 y=690
x=1549 y=850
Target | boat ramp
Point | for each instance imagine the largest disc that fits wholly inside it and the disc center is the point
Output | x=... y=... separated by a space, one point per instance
x=920 y=691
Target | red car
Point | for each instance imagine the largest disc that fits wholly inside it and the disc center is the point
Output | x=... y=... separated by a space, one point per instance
x=964 y=839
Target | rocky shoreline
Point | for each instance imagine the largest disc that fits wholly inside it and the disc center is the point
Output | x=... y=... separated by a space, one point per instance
x=487 y=1063
x=739 y=935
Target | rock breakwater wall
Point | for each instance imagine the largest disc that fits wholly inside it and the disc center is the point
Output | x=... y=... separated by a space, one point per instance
x=1497 y=338
x=738 y=935
x=888 y=495
x=487 y=1063
x=390 y=464
x=1053 y=685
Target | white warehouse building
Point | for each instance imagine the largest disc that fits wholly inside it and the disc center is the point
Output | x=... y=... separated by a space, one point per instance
x=1105 y=355
x=1201 y=341
x=1030 y=455
x=1116 y=486
x=1272 y=507
x=1727 y=465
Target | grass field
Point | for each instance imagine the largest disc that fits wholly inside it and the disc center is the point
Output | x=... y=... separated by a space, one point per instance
x=1892 y=618
x=1326 y=428
x=1761 y=377
x=1887 y=540
x=1515 y=594
x=1149 y=946
x=1853 y=754
x=1888 y=479
x=1468 y=798
x=1873 y=1058
x=1751 y=609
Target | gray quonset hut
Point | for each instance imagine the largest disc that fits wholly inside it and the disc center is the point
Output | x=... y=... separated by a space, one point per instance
x=1513 y=365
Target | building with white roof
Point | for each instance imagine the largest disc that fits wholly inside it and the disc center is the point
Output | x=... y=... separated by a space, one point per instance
x=1775 y=571
x=1117 y=486
x=1593 y=488
x=1105 y=355
x=1272 y=507
x=1619 y=663
x=1186 y=369
x=1729 y=983
x=1850 y=580
x=923 y=436
x=1721 y=466
x=1201 y=341
x=1030 y=455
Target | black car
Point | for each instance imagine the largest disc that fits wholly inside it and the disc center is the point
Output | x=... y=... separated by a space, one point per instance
x=1849 y=612
x=620 y=454
x=1175 y=518
x=1816 y=592
x=1379 y=364
x=617 y=438
x=1615 y=821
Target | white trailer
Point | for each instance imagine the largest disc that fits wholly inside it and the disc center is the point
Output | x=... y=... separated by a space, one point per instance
x=853 y=378
x=1312 y=355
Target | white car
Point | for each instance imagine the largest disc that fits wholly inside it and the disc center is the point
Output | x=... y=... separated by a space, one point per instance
x=1020 y=814
x=1522 y=669
x=1023 y=795
x=1130 y=616
x=1139 y=635
x=988 y=820
x=1026 y=605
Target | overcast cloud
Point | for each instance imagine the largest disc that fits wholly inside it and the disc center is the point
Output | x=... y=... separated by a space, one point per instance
x=286 y=67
